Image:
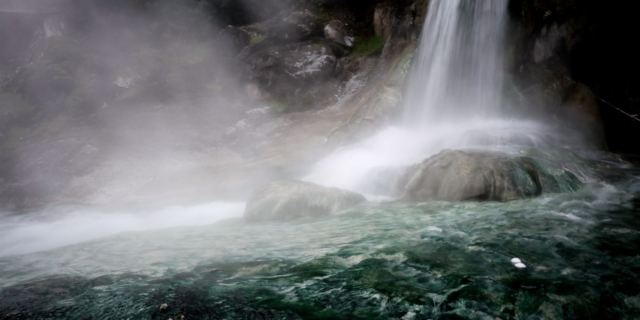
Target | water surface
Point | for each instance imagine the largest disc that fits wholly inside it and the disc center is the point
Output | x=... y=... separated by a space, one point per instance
x=432 y=260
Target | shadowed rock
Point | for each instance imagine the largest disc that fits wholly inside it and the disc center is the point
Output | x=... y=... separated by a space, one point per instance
x=287 y=200
x=479 y=175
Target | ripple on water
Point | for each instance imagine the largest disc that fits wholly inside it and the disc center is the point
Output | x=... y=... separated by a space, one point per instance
x=563 y=256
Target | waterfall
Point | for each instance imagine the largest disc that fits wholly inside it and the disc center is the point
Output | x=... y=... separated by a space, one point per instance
x=458 y=70
x=453 y=100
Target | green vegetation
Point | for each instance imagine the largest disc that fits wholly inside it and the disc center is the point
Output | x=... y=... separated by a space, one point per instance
x=257 y=38
x=364 y=47
x=277 y=105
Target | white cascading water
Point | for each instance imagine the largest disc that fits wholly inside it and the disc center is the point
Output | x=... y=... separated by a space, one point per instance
x=453 y=101
x=458 y=72
x=59 y=227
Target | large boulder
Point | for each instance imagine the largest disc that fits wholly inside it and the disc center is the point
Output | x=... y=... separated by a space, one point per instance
x=291 y=199
x=454 y=175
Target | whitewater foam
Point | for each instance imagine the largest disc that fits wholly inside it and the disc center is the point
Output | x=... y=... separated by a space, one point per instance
x=39 y=232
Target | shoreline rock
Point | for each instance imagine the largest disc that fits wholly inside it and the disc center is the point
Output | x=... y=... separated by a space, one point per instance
x=454 y=175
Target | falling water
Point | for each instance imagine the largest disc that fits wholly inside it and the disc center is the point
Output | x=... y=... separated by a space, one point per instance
x=453 y=101
x=458 y=70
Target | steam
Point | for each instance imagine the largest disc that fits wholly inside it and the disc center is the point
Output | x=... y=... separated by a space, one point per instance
x=111 y=96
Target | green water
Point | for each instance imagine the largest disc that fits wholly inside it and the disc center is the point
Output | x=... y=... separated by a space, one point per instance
x=379 y=261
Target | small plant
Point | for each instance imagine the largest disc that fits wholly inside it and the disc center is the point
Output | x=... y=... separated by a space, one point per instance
x=364 y=47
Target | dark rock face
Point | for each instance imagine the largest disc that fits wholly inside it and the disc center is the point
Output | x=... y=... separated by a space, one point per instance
x=564 y=44
x=287 y=200
x=293 y=27
x=473 y=175
x=384 y=18
x=288 y=72
x=234 y=38
x=580 y=107
x=382 y=99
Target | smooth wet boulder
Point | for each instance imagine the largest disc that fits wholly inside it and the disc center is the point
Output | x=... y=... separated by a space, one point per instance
x=454 y=175
x=291 y=199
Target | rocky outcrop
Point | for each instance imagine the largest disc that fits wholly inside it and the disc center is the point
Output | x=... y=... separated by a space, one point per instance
x=479 y=175
x=381 y=100
x=335 y=31
x=288 y=75
x=235 y=39
x=580 y=108
x=384 y=18
x=565 y=45
x=288 y=200
x=295 y=26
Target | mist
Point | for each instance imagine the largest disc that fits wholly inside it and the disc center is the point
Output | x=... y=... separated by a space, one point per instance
x=106 y=97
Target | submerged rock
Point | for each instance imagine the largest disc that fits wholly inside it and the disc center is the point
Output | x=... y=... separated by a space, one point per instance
x=454 y=175
x=290 y=199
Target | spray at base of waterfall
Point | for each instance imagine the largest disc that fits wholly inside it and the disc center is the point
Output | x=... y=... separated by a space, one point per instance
x=39 y=232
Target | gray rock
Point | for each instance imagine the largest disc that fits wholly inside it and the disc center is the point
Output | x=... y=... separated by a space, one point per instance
x=454 y=175
x=235 y=39
x=548 y=42
x=310 y=62
x=295 y=27
x=305 y=61
x=384 y=18
x=287 y=73
x=335 y=31
x=291 y=199
x=581 y=111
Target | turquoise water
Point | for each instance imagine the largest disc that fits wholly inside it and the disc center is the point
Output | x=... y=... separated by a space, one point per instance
x=379 y=261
